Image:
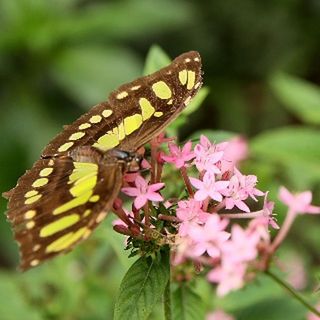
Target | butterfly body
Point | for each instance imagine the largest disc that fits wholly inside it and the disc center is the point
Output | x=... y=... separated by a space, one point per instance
x=68 y=192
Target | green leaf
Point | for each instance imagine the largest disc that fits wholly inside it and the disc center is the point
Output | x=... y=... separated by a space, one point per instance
x=196 y=101
x=15 y=303
x=298 y=96
x=89 y=74
x=156 y=59
x=183 y=118
x=261 y=299
x=142 y=287
x=187 y=305
x=295 y=149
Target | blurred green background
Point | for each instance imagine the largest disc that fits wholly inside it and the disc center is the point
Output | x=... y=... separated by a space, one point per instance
x=262 y=67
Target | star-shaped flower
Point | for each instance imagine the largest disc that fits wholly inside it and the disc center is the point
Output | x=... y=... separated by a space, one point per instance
x=298 y=203
x=143 y=192
x=179 y=156
x=208 y=187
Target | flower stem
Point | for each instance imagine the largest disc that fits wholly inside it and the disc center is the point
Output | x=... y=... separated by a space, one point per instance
x=294 y=293
x=186 y=179
x=167 y=301
x=242 y=215
x=146 y=214
x=283 y=231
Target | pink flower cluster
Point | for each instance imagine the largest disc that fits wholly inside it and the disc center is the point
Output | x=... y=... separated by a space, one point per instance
x=215 y=190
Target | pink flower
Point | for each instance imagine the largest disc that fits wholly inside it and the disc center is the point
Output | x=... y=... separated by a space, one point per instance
x=260 y=225
x=207 y=156
x=219 y=315
x=298 y=203
x=209 y=237
x=242 y=246
x=189 y=213
x=177 y=156
x=268 y=207
x=228 y=276
x=143 y=192
x=209 y=187
x=239 y=189
x=234 y=151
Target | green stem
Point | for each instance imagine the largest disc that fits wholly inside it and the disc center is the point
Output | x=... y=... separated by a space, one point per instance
x=294 y=293
x=167 y=301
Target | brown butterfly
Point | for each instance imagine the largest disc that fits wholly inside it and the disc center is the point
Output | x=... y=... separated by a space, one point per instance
x=68 y=192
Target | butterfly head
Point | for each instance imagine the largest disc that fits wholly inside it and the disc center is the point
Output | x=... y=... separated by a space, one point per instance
x=131 y=160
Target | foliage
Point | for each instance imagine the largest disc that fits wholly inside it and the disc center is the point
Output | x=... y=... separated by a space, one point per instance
x=261 y=66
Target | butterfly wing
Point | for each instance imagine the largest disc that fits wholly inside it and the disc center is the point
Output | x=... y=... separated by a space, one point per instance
x=135 y=112
x=58 y=203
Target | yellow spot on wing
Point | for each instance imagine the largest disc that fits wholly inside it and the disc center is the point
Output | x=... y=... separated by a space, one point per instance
x=101 y=216
x=31 y=193
x=30 y=214
x=94 y=198
x=36 y=247
x=107 y=113
x=87 y=212
x=73 y=203
x=65 y=146
x=158 y=114
x=146 y=108
x=191 y=79
x=34 y=262
x=76 y=136
x=121 y=133
x=40 y=182
x=30 y=224
x=84 y=126
x=33 y=199
x=135 y=88
x=108 y=140
x=51 y=163
x=132 y=123
x=122 y=95
x=183 y=77
x=197 y=85
x=86 y=234
x=84 y=178
x=66 y=241
x=59 y=225
x=161 y=90
x=186 y=102
x=82 y=170
x=86 y=184
x=95 y=119
x=45 y=172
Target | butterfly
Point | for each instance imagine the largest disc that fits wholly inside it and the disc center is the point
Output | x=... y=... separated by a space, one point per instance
x=68 y=192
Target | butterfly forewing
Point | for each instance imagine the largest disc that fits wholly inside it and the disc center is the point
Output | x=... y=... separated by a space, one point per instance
x=58 y=203
x=135 y=112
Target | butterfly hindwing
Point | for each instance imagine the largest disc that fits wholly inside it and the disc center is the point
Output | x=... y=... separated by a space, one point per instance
x=51 y=219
